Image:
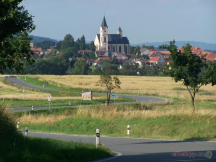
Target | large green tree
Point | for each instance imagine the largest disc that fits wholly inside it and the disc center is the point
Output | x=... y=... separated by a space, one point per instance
x=68 y=42
x=110 y=83
x=192 y=69
x=80 y=68
x=15 y=24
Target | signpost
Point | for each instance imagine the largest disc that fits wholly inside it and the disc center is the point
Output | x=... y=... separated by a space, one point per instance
x=87 y=95
x=114 y=95
x=49 y=99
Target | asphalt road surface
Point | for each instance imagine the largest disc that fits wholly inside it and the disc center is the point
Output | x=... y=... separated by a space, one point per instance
x=135 y=149
x=145 y=150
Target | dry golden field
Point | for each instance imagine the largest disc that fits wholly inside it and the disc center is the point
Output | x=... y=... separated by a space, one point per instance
x=161 y=86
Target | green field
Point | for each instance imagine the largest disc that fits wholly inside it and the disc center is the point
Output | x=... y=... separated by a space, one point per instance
x=171 y=120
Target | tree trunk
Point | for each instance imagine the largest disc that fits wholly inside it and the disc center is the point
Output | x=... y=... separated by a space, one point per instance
x=108 y=101
x=192 y=98
x=107 y=98
x=193 y=104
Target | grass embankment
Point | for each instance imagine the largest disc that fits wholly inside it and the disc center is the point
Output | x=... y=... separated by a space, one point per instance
x=16 y=147
x=161 y=120
x=14 y=103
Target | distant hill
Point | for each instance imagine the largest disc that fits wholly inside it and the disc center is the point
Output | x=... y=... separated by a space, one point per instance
x=202 y=45
x=41 y=39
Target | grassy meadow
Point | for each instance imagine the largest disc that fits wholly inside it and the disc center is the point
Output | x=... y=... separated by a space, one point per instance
x=172 y=120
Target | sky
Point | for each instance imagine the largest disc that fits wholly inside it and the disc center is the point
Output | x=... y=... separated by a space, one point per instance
x=140 y=20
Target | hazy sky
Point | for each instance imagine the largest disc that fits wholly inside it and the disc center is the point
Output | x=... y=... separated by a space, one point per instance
x=140 y=20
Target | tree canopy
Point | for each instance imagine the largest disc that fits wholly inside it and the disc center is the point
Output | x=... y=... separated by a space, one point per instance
x=15 y=24
x=190 y=68
x=110 y=83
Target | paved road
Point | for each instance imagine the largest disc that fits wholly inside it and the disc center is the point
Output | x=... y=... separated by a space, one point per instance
x=133 y=149
x=147 y=150
x=19 y=82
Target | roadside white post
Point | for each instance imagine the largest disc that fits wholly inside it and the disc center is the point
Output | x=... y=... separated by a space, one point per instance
x=18 y=125
x=97 y=137
x=69 y=102
x=26 y=132
x=49 y=99
x=32 y=108
x=128 y=129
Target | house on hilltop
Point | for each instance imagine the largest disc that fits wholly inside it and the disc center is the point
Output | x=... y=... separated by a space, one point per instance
x=111 y=42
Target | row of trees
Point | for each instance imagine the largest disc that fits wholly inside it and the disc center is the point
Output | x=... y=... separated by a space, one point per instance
x=44 y=44
x=58 y=65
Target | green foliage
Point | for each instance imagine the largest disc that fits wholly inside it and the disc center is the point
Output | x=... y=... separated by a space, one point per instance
x=80 y=68
x=67 y=42
x=91 y=46
x=148 y=47
x=35 y=39
x=51 y=65
x=128 y=69
x=192 y=69
x=110 y=83
x=44 y=44
x=15 y=24
x=109 y=68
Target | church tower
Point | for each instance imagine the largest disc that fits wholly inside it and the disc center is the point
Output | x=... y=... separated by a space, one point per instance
x=104 y=35
x=119 y=31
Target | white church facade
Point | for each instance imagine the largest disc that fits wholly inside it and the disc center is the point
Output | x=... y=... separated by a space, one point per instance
x=105 y=42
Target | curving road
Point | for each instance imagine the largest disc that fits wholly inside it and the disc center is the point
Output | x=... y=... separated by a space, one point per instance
x=144 y=150
x=19 y=82
x=137 y=149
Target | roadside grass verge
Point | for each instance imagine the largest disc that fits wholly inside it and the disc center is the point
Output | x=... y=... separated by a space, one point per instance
x=35 y=80
x=149 y=120
x=14 y=103
x=22 y=148
x=16 y=147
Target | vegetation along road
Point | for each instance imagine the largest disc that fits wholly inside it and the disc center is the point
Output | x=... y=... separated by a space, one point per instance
x=137 y=149
x=19 y=82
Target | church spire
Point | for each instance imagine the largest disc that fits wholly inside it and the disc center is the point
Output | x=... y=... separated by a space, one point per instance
x=104 y=24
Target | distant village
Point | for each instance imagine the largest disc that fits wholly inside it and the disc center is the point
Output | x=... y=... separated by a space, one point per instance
x=116 y=46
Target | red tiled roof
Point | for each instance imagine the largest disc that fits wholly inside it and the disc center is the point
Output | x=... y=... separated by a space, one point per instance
x=104 y=58
x=142 y=50
x=151 y=53
x=153 y=50
x=165 y=52
x=37 y=49
x=48 y=54
x=209 y=56
x=194 y=50
x=154 y=59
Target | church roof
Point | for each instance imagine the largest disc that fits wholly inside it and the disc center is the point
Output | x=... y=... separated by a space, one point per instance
x=115 y=39
x=104 y=24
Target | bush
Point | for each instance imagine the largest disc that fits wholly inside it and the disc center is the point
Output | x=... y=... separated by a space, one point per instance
x=7 y=122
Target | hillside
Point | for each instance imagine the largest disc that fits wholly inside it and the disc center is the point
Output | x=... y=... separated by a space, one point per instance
x=202 y=45
x=40 y=39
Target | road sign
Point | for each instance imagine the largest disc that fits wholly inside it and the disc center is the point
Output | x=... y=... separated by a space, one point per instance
x=114 y=95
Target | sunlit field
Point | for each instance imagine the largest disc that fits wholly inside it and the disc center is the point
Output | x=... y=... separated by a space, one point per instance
x=160 y=86
x=160 y=120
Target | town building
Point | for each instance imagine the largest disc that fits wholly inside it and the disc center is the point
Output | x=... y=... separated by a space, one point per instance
x=105 y=42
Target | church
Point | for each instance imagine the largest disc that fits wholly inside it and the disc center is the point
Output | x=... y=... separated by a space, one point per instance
x=105 y=42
